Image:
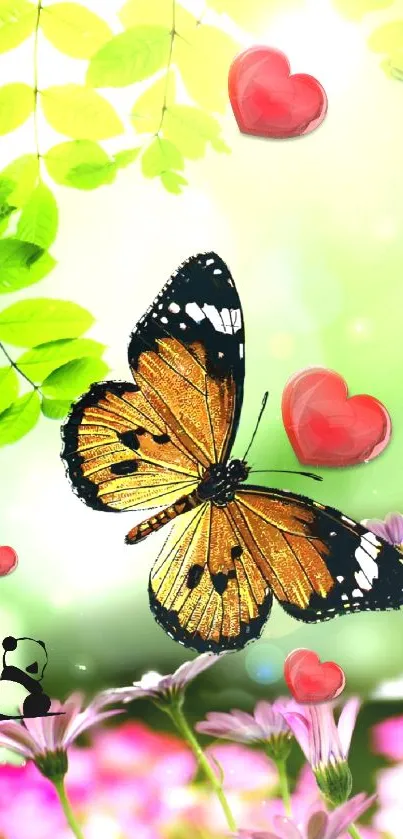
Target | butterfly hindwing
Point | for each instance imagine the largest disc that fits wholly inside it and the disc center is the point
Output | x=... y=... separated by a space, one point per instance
x=319 y=563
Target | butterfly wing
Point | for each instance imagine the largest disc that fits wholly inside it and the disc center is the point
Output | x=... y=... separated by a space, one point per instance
x=142 y=445
x=317 y=562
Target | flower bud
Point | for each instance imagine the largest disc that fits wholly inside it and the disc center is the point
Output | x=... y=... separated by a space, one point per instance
x=53 y=765
x=335 y=781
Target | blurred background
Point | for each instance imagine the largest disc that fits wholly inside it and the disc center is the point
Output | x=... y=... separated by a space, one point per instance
x=312 y=231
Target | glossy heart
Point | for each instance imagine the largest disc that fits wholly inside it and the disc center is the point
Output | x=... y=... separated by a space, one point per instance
x=269 y=102
x=309 y=680
x=8 y=560
x=325 y=427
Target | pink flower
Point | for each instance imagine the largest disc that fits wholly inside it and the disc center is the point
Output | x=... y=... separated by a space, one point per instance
x=266 y=722
x=242 y=768
x=156 y=687
x=387 y=738
x=319 y=825
x=391 y=529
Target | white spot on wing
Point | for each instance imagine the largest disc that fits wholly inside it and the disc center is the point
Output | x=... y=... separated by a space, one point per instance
x=362 y=581
x=340 y=579
x=164 y=320
x=373 y=546
x=241 y=351
x=367 y=564
x=194 y=311
x=349 y=521
x=227 y=321
x=357 y=593
x=173 y=307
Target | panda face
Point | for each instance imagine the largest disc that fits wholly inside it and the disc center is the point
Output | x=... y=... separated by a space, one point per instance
x=29 y=656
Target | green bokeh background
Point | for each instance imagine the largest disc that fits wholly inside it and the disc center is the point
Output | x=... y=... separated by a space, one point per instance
x=312 y=232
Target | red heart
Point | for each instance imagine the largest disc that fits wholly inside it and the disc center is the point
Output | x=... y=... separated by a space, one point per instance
x=267 y=101
x=309 y=681
x=8 y=560
x=325 y=427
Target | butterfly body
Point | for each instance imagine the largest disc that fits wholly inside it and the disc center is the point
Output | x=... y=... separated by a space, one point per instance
x=166 y=441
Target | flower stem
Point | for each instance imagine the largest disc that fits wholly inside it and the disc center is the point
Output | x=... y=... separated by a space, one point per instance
x=16 y=368
x=181 y=723
x=284 y=787
x=66 y=806
x=354 y=832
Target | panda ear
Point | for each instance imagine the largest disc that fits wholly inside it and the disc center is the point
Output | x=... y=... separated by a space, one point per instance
x=42 y=643
x=9 y=643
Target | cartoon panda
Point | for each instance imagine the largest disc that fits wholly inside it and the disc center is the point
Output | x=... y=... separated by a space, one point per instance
x=24 y=662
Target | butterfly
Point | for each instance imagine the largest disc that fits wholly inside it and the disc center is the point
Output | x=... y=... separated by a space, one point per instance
x=164 y=441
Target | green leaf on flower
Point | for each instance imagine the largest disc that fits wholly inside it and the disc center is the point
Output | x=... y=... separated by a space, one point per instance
x=8 y=387
x=56 y=409
x=73 y=378
x=39 y=320
x=17 y=22
x=130 y=57
x=136 y=12
x=39 y=362
x=356 y=9
x=147 y=110
x=39 y=218
x=16 y=104
x=23 y=173
x=204 y=58
x=387 y=38
x=73 y=29
x=19 y=418
x=191 y=129
x=22 y=264
x=173 y=182
x=78 y=111
x=126 y=156
x=82 y=164
x=161 y=156
x=253 y=15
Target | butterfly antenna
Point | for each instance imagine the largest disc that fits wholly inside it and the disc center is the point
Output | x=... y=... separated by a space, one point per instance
x=287 y=472
x=264 y=402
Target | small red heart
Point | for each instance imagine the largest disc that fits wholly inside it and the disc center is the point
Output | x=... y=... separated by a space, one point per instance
x=325 y=427
x=269 y=102
x=8 y=560
x=309 y=681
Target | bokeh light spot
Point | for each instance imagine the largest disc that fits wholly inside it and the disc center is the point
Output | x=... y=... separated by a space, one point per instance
x=264 y=663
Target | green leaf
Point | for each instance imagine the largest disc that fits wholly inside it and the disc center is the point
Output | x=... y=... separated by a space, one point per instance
x=36 y=321
x=81 y=164
x=252 y=15
x=130 y=57
x=55 y=408
x=73 y=29
x=147 y=110
x=190 y=129
x=136 y=12
x=125 y=157
x=387 y=38
x=79 y=111
x=16 y=104
x=17 y=21
x=161 y=156
x=19 y=418
x=356 y=9
x=173 y=182
x=393 y=67
x=8 y=387
x=74 y=378
x=5 y=213
x=42 y=360
x=6 y=187
x=23 y=173
x=204 y=58
x=22 y=264
x=39 y=218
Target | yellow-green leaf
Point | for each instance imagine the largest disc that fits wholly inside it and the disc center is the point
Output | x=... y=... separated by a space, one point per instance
x=126 y=156
x=17 y=21
x=55 y=408
x=161 y=156
x=39 y=362
x=39 y=320
x=78 y=111
x=39 y=217
x=387 y=38
x=19 y=418
x=130 y=57
x=204 y=58
x=22 y=264
x=190 y=129
x=147 y=111
x=23 y=173
x=393 y=67
x=254 y=15
x=8 y=387
x=82 y=164
x=173 y=182
x=356 y=9
x=16 y=104
x=73 y=29
x=136 y=12
x=74 y=378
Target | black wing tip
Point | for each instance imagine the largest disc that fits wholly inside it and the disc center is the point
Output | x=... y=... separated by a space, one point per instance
x=169 y=622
